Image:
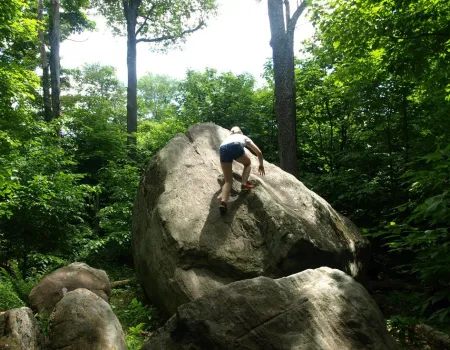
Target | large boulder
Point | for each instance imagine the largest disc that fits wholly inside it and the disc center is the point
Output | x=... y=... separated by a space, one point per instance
x=19 y=330
x=51 y=289
x=314 y=309
x=183 y=248
x=82 y=320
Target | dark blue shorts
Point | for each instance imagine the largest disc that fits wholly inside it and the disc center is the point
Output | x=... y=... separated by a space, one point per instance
x=230 y=152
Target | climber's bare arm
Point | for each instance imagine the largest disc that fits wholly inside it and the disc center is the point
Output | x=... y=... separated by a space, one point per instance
x=258 y=153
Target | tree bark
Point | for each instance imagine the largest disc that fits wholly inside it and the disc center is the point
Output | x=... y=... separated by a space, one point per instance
x=130 y=8
x=45 y=72
x=48 y=113
x=282 y=28
x=345 y=123
x=392 y=178
x=131 y=12
x=319 y=129
x=331 y=142
x=55 y=39
x=405 y=126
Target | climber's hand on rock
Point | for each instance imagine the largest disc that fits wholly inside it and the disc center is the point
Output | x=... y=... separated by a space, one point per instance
x=261 y=170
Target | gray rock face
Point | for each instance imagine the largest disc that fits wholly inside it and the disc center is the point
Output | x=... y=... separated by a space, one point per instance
x=19 y=330
x=82 y=320
x=51 y=289
x=314 y=309
x=183 y=249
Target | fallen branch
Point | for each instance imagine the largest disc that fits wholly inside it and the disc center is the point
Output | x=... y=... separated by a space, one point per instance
x=124 y=283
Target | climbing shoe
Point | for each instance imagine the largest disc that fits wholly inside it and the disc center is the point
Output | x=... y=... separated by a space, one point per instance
x=247 y=187
x=223 y=207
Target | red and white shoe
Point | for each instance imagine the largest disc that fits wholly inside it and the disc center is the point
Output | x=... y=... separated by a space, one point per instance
x=247 y=187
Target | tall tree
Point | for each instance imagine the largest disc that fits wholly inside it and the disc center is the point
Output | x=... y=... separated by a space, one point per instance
x=164 y=22
x=58 y=20
x=282 y=27
x=55 y=40
x=44 y=64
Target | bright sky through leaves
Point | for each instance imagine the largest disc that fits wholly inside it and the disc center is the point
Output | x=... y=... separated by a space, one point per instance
x=236 y=40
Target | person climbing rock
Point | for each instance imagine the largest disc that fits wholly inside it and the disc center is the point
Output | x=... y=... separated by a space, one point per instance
x=233 y=148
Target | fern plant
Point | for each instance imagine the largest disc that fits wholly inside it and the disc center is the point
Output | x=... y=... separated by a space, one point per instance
x=14 y=277
x=8 y=296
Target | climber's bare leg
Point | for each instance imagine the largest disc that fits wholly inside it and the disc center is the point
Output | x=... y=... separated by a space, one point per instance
x=227 y=169
x=247 y=163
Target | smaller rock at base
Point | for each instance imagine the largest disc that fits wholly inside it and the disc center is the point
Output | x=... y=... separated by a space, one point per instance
x=19 y=330
x=84 y=321
x=314 y=309
x=51 y=289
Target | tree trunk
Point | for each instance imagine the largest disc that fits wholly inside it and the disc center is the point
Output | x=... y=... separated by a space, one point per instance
x=331 y=142
x=282 y=28
x=345 y=123
x=392 y=178
x=46 y=90
x=55 y=39
x=405 y=126
x=45 y=72
x=319 y=129
x=131 y=10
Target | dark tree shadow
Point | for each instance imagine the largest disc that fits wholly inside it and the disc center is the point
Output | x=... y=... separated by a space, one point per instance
x=217 y=231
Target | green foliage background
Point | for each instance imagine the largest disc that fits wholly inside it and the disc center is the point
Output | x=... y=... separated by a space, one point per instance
x=373 y=102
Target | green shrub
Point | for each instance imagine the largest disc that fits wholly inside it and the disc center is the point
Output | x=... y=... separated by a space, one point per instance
x=135 y=337
x=420 y=229
x=136 y=318
x=43 y=264
x=43 y=206
x=21 y=285
x=8 y=296
x=22 y=282
x=112 y=242
x=44 y=323
x=402 y=328
x=136 y=313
